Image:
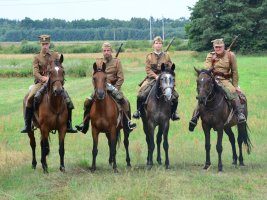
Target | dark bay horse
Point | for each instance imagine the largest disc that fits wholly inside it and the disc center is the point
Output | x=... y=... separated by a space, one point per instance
x=214 y=111
x=104 y=115
x=52 y=114
x=157 y=112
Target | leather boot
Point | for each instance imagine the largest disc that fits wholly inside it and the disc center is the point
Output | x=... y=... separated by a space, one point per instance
x=28 y=120
x=193 y=121
x=69 y=123
x=174 y=114
x=139 y=104
x=84 y=127
x=39 y=95
x=239 y=111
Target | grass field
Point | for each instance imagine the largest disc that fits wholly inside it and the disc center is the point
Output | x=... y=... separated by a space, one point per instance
x=185 y=179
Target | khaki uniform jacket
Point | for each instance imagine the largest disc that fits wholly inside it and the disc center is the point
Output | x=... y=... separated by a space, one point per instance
x=153 y=63
x=40 y=64
x=113 y=70
x=222 y=65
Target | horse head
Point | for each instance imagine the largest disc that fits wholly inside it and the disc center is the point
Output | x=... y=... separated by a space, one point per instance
x=205 y=85
x=99 y=81
x=166 y=81
x=56 y=76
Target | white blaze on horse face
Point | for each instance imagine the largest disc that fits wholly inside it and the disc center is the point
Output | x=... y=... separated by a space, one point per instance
x=167 y=85
x=57 y=68
x=202 y=79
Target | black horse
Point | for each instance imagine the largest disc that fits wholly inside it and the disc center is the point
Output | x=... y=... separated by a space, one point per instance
x=214 y=112
x=157 y=112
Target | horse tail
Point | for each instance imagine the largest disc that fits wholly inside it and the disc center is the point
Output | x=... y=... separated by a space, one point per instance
x=118 y=138
x=244 y=130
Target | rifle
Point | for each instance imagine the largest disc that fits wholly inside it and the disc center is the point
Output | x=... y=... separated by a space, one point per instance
x=118 y=52
x=233 y=42
x=169 y=45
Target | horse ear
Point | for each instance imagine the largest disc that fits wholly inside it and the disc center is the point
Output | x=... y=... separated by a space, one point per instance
x=95 y=67
x=162 y=67
x=198 y=71
x=104 y=67
x=61 y=59
x=173 y=67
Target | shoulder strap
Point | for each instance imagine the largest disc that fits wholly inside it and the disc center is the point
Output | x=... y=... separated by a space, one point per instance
x=229 y=58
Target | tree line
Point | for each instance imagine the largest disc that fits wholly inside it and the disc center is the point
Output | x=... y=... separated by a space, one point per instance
x=212 y=19
x=88 y=30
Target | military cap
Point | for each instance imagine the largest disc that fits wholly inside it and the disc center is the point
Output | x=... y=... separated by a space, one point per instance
x=218 y=42
x=44 y=39
x=158 y=39
x=106 y=45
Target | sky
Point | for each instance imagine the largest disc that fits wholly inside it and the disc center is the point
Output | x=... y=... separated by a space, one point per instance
x=94 y=9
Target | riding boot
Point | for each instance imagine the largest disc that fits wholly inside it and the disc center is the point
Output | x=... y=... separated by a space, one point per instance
x=85 y=125
x=193 y=122
x=69 y=123
x=238 y=110
x=125 y=106
x=86 y=119
x=27 y=119
x=38 y=96
x=139 y=104
x=174 y=114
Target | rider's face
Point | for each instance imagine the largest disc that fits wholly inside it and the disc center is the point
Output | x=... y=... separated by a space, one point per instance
x=45 y=47
x=218 y=49
x=106 y=52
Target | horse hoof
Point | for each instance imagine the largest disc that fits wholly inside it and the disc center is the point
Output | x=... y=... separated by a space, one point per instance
x=129 y=165
x=45 y=171
x=241 y=164
x=159 y=162
x=116 y=171
x=62 y=169
x=92 y=169
x=167 y=167
x=33 y=166
x=206 y=167
x=149 y=167
x=234 y=162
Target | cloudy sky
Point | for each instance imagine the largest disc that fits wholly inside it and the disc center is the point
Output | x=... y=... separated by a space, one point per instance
x=94 y=9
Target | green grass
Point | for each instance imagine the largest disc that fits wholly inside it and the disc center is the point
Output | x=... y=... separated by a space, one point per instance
x=185 y=179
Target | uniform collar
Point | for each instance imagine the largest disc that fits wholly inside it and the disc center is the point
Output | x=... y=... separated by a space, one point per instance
x=158 y=54
x=220 y=55
x=44 y=54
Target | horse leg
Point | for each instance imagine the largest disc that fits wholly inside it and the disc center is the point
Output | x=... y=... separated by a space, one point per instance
x=231 y=136
x=151 y=147
x=240 y=141
x=159 y=139
x=219 y=149
x=206 y=129
x=113 y=144
x=44 y=150
x=126 y=145
x=61 y=150
x=95 y=133
x=33 y=146
x=110 y=157
x=166 y=146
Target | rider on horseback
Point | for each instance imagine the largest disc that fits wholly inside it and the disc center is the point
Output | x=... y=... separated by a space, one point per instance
x=224 y=68
x=115 y=79
x=153 y=70
x=40 y=69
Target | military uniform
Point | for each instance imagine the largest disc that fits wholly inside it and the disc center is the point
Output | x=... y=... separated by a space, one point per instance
x=224 y=69
x=115 y=79
x=40 y=69
x=153 y=70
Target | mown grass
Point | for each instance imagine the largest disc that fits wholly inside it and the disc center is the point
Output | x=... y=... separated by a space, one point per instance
x=185 y=179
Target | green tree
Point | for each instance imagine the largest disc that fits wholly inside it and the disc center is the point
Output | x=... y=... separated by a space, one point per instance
x=226 y=18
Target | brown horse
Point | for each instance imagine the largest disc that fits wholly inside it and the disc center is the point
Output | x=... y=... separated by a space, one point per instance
x=104 y=115
x=214 y=111
x=52 y=114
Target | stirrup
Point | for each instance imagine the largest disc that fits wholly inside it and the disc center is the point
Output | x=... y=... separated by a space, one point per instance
x=241 y=119
x=131 y=126
x=137 y=114
x=192 y=125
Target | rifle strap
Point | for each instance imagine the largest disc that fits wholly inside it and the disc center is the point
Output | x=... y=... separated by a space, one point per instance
x=213 y=59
